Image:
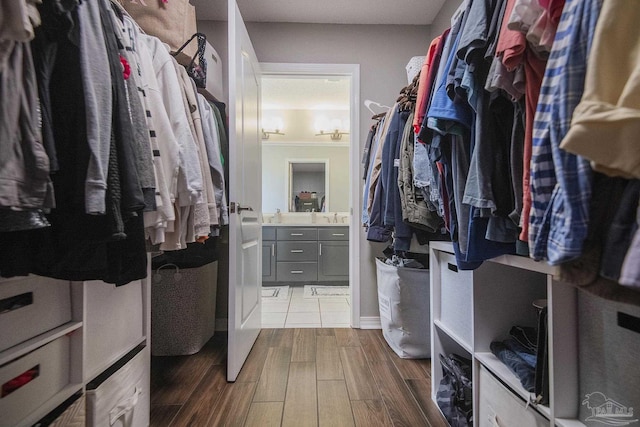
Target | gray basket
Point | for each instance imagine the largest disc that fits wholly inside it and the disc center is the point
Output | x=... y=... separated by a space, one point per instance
x=183 y=309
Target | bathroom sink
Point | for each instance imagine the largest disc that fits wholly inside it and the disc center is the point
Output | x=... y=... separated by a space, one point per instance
x=306 y=218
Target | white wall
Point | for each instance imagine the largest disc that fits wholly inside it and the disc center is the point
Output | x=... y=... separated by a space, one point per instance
x=382 y=52
x=274 y=174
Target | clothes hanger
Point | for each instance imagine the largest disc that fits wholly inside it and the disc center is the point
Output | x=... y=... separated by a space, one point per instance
x=368 y=103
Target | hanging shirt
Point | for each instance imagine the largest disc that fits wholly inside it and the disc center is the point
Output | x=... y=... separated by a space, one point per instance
x=214 y=157
x=512 y=46
x=606 y=123
x=98 y=106
x=561 y=182
x=424 y=86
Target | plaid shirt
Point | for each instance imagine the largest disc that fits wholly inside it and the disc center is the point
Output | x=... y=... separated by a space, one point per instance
x=560 y=181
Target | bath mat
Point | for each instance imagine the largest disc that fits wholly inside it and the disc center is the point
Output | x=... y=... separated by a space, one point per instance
x=275 y=292
x=315 y=291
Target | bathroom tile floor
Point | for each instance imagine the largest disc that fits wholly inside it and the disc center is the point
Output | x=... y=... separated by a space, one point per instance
x=299 y=312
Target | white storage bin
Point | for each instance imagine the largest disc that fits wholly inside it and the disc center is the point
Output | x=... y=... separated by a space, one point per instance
x=30 y=306
x=608 y=344
x=498 y=407
x=404 y=301
x=183 y=309
x=122 y=400
x=214 y=74
x=114 y=323
x=456 y=298
x=50 y=367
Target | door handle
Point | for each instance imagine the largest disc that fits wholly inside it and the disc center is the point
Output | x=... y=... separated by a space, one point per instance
x=296 y=251
x=237 y=207
x=319 y=249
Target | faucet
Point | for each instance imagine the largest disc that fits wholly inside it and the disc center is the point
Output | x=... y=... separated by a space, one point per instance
x=335 y=217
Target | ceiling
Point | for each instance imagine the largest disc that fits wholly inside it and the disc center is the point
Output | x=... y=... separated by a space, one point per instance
x=393 y=12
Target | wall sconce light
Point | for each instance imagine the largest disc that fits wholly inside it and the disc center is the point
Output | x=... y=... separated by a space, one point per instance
x=336 y=135
x=266 y=133
x=274 y=126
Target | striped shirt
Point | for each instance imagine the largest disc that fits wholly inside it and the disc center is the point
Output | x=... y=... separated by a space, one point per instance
x=561 y=182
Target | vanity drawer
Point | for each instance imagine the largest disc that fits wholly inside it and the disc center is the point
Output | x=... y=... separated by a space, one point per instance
x=268 y=233
x=297 y=271
x=297 y=233
x=333 y=233
x=297 y=251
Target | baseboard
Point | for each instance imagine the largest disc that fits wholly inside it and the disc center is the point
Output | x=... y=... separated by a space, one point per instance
x=222 y=324
x=370 y=322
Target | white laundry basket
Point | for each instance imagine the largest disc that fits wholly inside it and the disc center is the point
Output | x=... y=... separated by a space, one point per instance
x=403 y=298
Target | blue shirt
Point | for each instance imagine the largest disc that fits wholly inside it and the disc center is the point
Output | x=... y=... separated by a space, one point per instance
x=560 y=181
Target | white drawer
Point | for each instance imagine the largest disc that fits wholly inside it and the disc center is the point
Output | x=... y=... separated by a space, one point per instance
x=30 y=306
x=114 y=324
x=456 y=298
x=498 y=407
x=122 y=399
x=48 y=366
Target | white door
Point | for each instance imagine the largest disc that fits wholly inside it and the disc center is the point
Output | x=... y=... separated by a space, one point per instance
x=245 y=195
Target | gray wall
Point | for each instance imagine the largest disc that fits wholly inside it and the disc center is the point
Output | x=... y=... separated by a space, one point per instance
x=442 y=21
x=382 y=52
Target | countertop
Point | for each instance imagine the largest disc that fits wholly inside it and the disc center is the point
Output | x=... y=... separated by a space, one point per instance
x=290 y=224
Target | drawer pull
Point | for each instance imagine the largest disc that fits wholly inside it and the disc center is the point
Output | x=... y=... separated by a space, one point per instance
x=337 y=234
x=21 y=380
x=629 y=322
x=296 y=251
x=297 y=271
x=297 y=234
x=15 y=302
x=124 y=407
x=452 y=267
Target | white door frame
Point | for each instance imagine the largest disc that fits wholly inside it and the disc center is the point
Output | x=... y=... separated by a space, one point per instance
x=352 y=71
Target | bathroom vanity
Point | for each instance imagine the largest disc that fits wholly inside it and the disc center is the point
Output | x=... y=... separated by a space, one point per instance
x=308 y=253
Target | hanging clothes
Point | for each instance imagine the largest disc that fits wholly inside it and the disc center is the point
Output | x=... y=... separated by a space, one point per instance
x=561 y=185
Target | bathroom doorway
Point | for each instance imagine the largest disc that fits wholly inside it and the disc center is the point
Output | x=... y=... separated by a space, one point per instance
x=309 y=118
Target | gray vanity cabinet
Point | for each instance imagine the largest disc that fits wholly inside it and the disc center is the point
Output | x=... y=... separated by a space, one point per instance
x=333 y=254
x=305 y=254
x=268 y=254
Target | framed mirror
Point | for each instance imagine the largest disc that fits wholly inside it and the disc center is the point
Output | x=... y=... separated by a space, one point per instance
x=308 y=185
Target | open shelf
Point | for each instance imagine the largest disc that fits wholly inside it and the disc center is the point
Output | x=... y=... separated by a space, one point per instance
x=453 y=336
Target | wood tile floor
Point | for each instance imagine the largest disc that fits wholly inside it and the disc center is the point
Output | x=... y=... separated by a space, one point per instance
x=296 y=377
